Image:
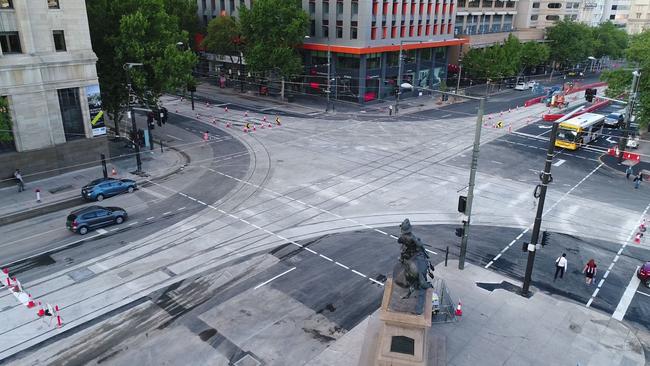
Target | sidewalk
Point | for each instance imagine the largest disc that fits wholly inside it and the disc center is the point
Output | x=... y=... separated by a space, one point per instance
x=503 y=328
x=64 y=190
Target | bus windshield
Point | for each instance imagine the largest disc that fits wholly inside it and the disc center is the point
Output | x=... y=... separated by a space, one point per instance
x=567 y=135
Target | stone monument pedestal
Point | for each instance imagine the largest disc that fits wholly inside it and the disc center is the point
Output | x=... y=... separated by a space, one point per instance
x=400 y=337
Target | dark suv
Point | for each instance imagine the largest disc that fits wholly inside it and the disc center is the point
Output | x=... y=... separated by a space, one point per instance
x=92 y=217
x=101 y=188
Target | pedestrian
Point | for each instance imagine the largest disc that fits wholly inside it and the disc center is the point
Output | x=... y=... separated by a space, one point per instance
x=390 y=110
x=206 y=136
x=560 y=266
x=637 y=181
x=628 y=172
x=589 y=271
x=19 y=180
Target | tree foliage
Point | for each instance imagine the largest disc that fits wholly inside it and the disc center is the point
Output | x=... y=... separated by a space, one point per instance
x=272 y=30
x=5 y=121
x=139 y=31
x=609 y=40
x=507 y=60
x=620 y=81
x=570 y=42
x=223 y=36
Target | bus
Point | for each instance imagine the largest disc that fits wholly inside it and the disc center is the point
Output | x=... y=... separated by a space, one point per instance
x=579 y=130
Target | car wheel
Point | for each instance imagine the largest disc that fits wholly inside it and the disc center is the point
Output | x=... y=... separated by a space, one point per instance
x=119 y=220
x=83 y=230
x=100 y=197
x=130 y=190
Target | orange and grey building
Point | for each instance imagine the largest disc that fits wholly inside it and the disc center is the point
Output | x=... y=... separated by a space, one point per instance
x=364 y=38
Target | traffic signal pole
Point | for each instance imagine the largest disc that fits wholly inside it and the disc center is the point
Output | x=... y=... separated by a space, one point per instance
x=622 y=144
x=546 y=178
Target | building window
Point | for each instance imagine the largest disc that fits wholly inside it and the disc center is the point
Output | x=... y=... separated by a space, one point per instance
x=614 y=7
x=312 y=8
x=339 y=8
x=461 y=3
x=473 y=4
x=552 y=18
x=339 y=29
x=73 y=122
x=205 y=20
x=312 y=28
x=355 y=8
x=53 y=4
x=222 y=5
x=499 y=4
x=535 y=5
x=6 y=4
x=232 y=6
x=10 y=42
x=354 y=33
x=326 y=8
x=554 y=5
x=612 y=17
x=59 y=40
x=488 y=3
x=326 y=28
x=510 y=4
x=534 y=17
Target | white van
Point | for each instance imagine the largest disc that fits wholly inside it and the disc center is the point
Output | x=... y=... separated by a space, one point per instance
x=615 y=119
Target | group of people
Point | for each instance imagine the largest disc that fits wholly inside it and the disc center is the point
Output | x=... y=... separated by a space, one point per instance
x=638 y=178
x=589 y=269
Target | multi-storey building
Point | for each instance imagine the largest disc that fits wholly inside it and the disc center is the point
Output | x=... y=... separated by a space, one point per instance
x=363 y=39
x=639 y=19
x=616 y=11
x=47 y=82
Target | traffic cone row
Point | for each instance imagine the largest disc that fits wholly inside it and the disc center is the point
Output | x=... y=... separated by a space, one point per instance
x=25 y=298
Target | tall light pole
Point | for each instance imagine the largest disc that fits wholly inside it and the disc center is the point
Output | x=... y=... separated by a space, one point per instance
x=628 y=114
x=134 y=129
x=399 y=77
x=472 y=171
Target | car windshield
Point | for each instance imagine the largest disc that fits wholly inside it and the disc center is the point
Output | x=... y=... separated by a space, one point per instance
x=567 y=135
x=97 y=181
x=612 y=116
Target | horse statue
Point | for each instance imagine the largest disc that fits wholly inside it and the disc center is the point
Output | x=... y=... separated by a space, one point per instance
x=414 y=266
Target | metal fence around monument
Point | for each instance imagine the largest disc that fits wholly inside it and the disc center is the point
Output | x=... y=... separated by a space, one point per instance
x=445 y=312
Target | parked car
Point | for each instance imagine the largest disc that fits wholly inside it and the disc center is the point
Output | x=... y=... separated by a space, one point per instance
x=524 y=85
x=644 y=274
x=101 y=188
x=92 y=217
x=615 y=119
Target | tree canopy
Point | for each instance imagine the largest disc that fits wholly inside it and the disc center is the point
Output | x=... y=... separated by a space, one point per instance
x=138 y=31
x=272 y=30
x=570 y=42
x=609 y=40
x=223 y=36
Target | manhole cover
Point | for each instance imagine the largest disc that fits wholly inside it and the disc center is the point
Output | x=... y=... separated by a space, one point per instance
x=247 y=360
x=81 y=274
x=124 y=274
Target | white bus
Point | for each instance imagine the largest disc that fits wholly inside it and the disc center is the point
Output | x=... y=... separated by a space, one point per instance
x=579 y=130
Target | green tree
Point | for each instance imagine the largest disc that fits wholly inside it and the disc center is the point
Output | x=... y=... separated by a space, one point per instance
x=570 y=42
x=5 y=121
x=618 y=82
x=609 y=40
x=533 y=54
x=186 y=14
x=272 y=30
x=511 y=53
x=137 y=31
x=223 y=37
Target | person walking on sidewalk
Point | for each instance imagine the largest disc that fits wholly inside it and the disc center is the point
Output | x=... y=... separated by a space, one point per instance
x=560 y=266
x=589 y=271
x=637 y=181
x=19 y=180
x=628 y=172
x=390 y=110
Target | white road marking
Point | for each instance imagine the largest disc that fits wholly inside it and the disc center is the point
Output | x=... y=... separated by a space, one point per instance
x=200 y=202
x=101 y=231
x=643 y=293
x=627 y=297
x=115 y=229
x=181 y=209
x=274 y=278
x=174 y=137
x=133 y=223
x=559 y=162
x=149 y=218
x=342 y=265
x=166 y=213
x=153 y=193
x=359 y=273
x=327 y=258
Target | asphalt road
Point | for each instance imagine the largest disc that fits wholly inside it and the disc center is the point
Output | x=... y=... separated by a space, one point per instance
x=38 y=246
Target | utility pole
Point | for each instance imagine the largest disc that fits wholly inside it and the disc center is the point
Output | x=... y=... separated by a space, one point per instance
x=546 y=179
x=622 y=144
x=472 y=180
x=399 y=78
x=134 y=128
x=329 y=68
x=460 y=72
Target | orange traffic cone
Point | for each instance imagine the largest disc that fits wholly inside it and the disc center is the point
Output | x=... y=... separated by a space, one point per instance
x=246 y=114
x=245 y=129
x=459 y=309
x=225 y=109
x=637 y=238
x=30 y=303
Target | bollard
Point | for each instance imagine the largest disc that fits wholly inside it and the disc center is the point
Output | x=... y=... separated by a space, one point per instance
x=38 y=195
x=161 y=146
x=446 y=255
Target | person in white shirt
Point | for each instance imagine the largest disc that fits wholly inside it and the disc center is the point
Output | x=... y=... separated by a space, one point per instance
x=560 y=266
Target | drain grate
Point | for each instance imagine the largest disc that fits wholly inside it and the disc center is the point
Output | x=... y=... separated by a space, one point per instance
x=124 y=274
x=81 y=274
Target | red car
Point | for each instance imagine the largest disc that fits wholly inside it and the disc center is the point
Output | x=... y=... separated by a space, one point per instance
x=644 y=273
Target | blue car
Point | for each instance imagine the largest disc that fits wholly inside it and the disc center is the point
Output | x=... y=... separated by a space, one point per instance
x=92 y=217
x=101 y=188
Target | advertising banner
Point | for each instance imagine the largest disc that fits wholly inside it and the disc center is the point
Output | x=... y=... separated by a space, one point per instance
x=96 y=112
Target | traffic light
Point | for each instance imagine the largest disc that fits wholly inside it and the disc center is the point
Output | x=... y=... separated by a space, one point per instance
x=545 y=238
x=590 y=93
x=462 y=204
x=460 y=232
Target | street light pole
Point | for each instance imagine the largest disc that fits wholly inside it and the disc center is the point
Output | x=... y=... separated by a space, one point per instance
x=546 y=179
x=329 y=68
x=460 y=72
x=399 y=78
x=472 y=180
x=134 y=129
x=628 y=114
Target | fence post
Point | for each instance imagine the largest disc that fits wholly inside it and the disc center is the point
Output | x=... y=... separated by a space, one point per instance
x=446 y=255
